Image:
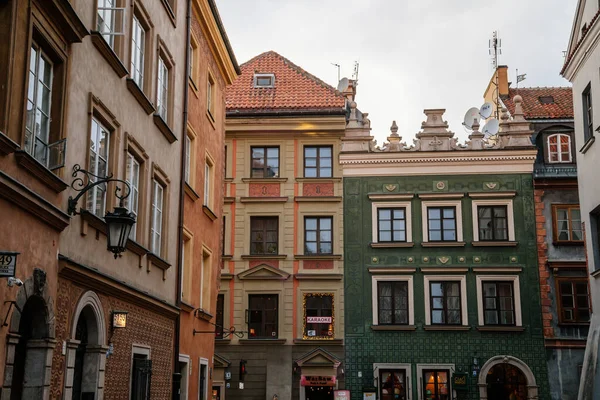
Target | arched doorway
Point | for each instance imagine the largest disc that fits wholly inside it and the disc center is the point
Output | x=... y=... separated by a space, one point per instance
x=86 y=350
x=30 y=342
x=506 y=382
x=506 y=378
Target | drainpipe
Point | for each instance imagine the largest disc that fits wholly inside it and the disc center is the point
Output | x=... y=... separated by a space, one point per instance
x=176 y=370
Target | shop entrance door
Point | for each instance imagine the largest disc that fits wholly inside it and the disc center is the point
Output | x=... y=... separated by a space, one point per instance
x=319 y=393
x=392 y=384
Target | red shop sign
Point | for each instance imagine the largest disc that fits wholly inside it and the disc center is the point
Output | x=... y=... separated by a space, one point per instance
x=315 y=380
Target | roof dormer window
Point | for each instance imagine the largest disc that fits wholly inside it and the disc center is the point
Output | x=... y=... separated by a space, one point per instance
x=264 y=80
x=559 y=148
x=546 y=99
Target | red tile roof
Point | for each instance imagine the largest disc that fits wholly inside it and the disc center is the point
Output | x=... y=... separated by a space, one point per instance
x=295 y=89
x=561 y=107
x=583 y=35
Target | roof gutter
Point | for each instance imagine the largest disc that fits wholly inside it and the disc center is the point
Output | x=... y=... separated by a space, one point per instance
x=283 y=113
x=215 y=11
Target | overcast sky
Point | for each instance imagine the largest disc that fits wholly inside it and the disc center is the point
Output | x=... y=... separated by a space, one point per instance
x=413 y=54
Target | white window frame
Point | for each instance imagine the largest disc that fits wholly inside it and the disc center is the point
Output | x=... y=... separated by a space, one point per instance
x=375 y=219
x=510 y=216
x=558 y=148
x=209 y=95
x=184 y=358
x=257 y=76
x=109 y=10
x=203 y=361
x=94 y=168
x=464 y=315
x=516 y=293
x=133 y=199
x=208 y=170
x=393 y=278
x=444 y=203
x=162 y=90
x=394 y=366
x=421 y=367
x=188 y=160
x=156 y=227
x=137 y=51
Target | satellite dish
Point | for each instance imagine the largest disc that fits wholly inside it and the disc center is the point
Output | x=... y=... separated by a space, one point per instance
x=343 y=85
x=486 y=110
x=470 y=117
x=491 y=127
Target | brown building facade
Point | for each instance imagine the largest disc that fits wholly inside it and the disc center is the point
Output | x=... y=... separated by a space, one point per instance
x=100 y=86
x=282 y=276
x=212 y=68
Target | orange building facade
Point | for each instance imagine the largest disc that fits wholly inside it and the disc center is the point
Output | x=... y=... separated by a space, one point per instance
x=212 y=68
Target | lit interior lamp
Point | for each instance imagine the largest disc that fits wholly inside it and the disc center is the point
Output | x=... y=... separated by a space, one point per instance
x=119 y=319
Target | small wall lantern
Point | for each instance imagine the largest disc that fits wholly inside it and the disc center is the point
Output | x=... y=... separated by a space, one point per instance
x=119 y=319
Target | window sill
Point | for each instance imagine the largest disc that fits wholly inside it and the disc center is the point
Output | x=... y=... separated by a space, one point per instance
x=573 y=324
x=225 y=276
x=262 y=341
x=443 y=244
x=188 y=308
x=63 y=14
x=94 y=221
x=193 y=86
x=587 y=145
x=209 y=213
x=447 y=328
x=571 y=243
x=159 y=262
x=263 y=199
x=164 y=129
x=384 y=245
x=393 y=327
x=191 y=192
x=331 y=178
x=319 y=341
x=226 y=257
x=211 y=119
x=493 y=243
x=26 y=161
x=317 y=256
x=595 y=274
x=264 y=257
x=139 y=95
x=136 y=248
x=7 y=145
x=109 y=55
x=319 y=199
x=263 y=180
x=169 y=11
x=203 y=314
x=499 y=328
x=319 y=276
x=228 y=199
x=222 y=341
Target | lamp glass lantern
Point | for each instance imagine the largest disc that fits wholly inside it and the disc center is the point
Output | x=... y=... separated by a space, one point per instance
x=119 y=224
x=119 y=319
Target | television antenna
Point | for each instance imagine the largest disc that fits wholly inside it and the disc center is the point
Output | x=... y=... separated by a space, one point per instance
x=355 y=74
x=338 y=69
x=495 y=50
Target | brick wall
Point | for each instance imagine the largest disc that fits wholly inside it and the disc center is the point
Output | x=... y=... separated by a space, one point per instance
x=542 y=251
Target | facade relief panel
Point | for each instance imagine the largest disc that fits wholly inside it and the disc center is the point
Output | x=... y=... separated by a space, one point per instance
x=264 y=190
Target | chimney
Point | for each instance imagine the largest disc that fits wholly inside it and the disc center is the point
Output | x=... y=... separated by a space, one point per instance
x=350 y=92
x=502 y=72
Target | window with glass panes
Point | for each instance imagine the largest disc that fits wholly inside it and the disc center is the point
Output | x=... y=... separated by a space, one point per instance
x=436 y=385
x=188 y=159
x=132 y=177
x=263 y=316
x=498 y=303
x=318 y=235
x=441 y=224
x=393 y=384
x=445 y=303
x=162 y=90
x=109 y=20
x=391 y=225
x=39 y=100
x=264 y=233
x=559 y=148
x=567 y=223
x=318 y=315
x=265 y=162
x=138 y=41
x=219 y=317
x=208 y=184
x=493 y=223
x=157 y=218
x=588 y=114
x=98 y=165
x=574 y=300
x=392 y=302
x=318 y=162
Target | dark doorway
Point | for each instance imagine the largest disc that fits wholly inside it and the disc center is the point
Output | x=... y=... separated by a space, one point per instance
x=32 y=326
x=506 y=382
x=216 y=393
x=81 y=334
x=319 y=392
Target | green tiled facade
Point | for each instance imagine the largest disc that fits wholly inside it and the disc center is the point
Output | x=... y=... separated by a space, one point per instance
x=366 y=346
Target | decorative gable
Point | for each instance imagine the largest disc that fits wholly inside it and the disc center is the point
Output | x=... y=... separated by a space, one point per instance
x=318 y=358
x=263 y=272
x=221 y=362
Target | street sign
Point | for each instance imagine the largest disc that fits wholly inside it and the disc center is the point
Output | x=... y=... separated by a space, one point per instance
x=8 y=263
x=459 y=382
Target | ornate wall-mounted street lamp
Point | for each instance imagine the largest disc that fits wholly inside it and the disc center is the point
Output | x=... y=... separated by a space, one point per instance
x=119 y=222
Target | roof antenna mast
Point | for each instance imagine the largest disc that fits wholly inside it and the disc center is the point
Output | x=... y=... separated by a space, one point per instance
x=355 y=74
x=495 y=50
x=338 y=69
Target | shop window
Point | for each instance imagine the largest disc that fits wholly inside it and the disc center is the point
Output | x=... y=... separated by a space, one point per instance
x=573 y=300
x=436 y=385
x=263 y=316
x=318 y=161
x=393 y=384
x=265 y=162
x=318 y=316
x=264 y=232
x=318 y=235
x=567 y=223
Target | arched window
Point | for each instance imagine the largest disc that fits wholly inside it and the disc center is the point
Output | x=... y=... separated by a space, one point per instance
x=559 y=148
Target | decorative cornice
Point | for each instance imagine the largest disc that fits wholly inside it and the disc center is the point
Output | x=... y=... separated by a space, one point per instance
x=390 y=196
x=392 y=270
x=7 y=145
x=318 y=276
x=495 y=195
x=345 y=160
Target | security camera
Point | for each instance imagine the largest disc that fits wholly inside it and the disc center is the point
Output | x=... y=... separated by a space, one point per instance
x=14 y=281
